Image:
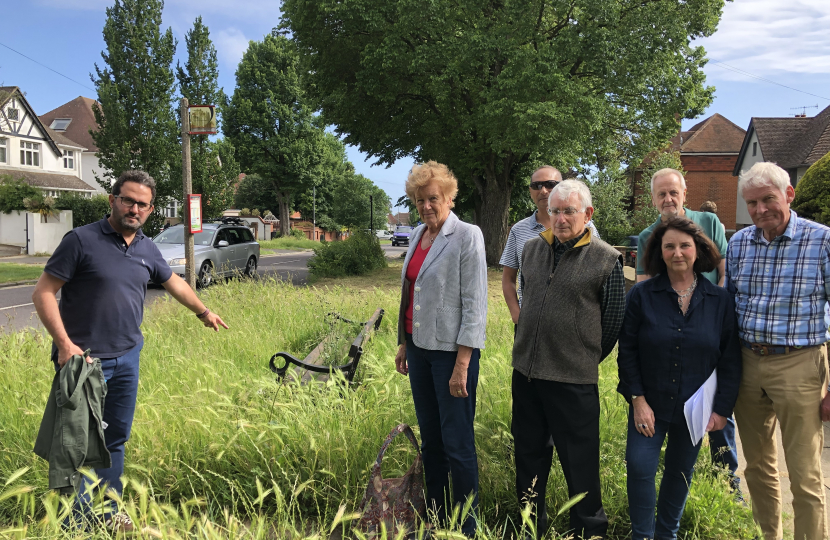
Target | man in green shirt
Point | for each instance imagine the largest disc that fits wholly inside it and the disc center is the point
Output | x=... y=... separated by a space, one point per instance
x=668 y=193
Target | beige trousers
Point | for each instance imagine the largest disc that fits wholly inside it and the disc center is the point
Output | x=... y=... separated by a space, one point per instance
x=787 y=388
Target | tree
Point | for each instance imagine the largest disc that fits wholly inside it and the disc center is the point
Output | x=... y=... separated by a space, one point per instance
x=137 y=125
x=214 y=169
x=351 y=203
x=317 y=199
x=255 y=191
x=488 y=87
x=269 y=122
x=609 y=191
x=812 y=193
x=13 y=192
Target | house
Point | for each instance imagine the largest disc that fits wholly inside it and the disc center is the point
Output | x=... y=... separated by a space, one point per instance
x=75 y=120
x=794 y=143
x=41 y=156
x=393 y=220
x=708 y=152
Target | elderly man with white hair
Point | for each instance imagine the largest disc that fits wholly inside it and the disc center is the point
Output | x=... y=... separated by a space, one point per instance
x=779 y=272
x=572 y=311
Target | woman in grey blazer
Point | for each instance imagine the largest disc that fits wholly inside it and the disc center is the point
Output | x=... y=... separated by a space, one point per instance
x=441 y=325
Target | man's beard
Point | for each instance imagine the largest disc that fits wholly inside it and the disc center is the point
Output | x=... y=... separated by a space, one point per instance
x=670 y=212
x=129 y=225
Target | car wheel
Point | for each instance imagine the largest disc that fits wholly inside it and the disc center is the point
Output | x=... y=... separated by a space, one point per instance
x=250 y=268
x=205 y=275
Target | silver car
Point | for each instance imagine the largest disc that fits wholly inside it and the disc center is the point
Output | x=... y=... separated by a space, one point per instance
x=221 y=249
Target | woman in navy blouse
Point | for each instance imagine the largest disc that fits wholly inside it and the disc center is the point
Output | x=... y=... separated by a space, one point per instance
x=678 y=328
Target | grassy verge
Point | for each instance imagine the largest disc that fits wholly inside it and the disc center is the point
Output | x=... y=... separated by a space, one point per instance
x=289 y=243
x=220 y=450
x=11 y=272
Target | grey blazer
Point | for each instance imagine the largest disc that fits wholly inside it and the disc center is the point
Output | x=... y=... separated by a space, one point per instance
x=450 y=294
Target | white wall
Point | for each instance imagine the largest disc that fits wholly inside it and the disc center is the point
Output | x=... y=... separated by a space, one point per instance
x=45 y=237
x=263 y=230
x=42 y=237
x=89 y=168
x=741 y=213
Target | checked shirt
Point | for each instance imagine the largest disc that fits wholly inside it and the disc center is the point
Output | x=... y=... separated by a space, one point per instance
x=781 y=287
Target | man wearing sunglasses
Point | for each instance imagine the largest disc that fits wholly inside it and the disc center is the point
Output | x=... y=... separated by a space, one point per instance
x=542 y=182
x=102 y=270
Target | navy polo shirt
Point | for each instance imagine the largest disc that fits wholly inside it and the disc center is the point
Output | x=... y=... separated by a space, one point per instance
x=102 y=302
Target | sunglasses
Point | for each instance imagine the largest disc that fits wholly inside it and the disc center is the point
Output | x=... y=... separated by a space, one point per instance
x=548 y=184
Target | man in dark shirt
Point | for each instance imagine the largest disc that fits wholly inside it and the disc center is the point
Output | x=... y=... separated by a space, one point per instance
x=102 y=270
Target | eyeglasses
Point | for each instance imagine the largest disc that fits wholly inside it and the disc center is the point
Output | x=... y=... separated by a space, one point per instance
x=128 y=203
x=549 y=184
x=569 y=211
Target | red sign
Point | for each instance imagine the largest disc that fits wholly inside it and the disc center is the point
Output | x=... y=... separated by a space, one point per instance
x=194 y=213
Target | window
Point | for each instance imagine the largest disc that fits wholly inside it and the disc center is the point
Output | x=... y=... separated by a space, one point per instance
x=30 y=154
x=755 y=149
x=247 y=236
x=60 y=124
x=13 y=114
x=3 y=154
x=68 y=159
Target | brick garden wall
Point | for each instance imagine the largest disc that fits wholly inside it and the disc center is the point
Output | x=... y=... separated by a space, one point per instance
x=709 y=178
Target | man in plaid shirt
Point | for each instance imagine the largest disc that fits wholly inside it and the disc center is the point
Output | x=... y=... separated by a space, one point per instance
x=779 y=272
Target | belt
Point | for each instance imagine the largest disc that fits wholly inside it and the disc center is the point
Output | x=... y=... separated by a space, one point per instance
x=766 y=350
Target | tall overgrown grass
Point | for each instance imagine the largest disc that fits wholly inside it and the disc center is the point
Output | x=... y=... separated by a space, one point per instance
x=219 y=449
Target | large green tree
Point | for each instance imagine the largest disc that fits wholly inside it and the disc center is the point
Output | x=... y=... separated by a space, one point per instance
x=812 y=194
x=487 y=87
x=214 y=169
x=351 y=204
x=269 y=122
x=317 y=199
x=134 y=112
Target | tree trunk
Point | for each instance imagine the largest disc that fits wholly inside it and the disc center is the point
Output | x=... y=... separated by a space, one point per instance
x=285 y=219
x=492 y=211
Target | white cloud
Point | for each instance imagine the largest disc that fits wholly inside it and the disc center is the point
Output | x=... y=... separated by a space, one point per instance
x=767 y=37
x=230 y=45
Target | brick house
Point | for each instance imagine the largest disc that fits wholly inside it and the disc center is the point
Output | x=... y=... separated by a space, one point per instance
x=708 y=152
x=793 y=143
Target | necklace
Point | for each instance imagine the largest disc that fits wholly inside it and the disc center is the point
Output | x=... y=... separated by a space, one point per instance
x=685 y=293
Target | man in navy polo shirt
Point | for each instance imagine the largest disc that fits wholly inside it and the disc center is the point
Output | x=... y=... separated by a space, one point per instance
x=102 y=270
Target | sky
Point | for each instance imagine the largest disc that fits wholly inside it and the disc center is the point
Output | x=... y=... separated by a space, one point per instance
x=768 y=57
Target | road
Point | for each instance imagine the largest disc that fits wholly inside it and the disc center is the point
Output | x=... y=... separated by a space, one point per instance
x=17 y=311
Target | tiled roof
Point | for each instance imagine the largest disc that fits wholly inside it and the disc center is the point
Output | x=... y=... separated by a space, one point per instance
x=794 y=142
x=83 y=119
x=714 y=135
x=50 y=180
x=59 y=138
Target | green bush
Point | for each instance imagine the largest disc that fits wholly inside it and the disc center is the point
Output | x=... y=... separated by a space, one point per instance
x=13 y=191
x=812 y=194
x=84 y=211
x=297 y=233
x=357 y=255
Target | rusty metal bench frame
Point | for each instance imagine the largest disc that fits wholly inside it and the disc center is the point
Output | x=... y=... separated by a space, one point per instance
x=309 y=364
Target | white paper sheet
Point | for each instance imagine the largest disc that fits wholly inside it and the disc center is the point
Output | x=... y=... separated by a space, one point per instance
x=698 y=408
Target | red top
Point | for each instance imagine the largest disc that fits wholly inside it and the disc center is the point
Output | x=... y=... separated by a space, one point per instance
x=412 y=271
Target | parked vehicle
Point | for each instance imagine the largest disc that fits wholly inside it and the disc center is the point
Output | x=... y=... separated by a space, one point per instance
x=221 y=249
x=383 y=234
x=631 y=251
x=401 y=235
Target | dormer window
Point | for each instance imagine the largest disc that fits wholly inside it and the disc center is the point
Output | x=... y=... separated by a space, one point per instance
x=29 y=154
x=13 y=114
x=60 y=124
x=68 y=159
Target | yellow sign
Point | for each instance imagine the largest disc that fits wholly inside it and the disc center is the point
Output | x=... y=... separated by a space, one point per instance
x=202 y=119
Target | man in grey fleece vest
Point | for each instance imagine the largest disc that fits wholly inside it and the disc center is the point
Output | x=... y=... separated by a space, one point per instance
x=572 y=311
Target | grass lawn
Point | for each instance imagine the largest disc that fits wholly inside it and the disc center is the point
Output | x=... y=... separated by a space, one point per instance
x=220 y=450
x=289 y=243
x=11 y=272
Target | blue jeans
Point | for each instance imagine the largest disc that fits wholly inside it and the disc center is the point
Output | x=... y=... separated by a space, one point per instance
x=121 y=374
x=446 y=423
x=642 y=456
x=724 y=451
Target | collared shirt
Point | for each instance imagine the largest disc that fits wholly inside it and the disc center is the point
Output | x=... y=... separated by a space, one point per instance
x=707 y=221
x=666 y=356
x=102 y=301
x=520 y=233
x=612 y=305
x=781 y=287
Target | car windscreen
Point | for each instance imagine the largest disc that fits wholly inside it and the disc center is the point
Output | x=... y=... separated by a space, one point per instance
x=403 y=229
x=175 y=235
